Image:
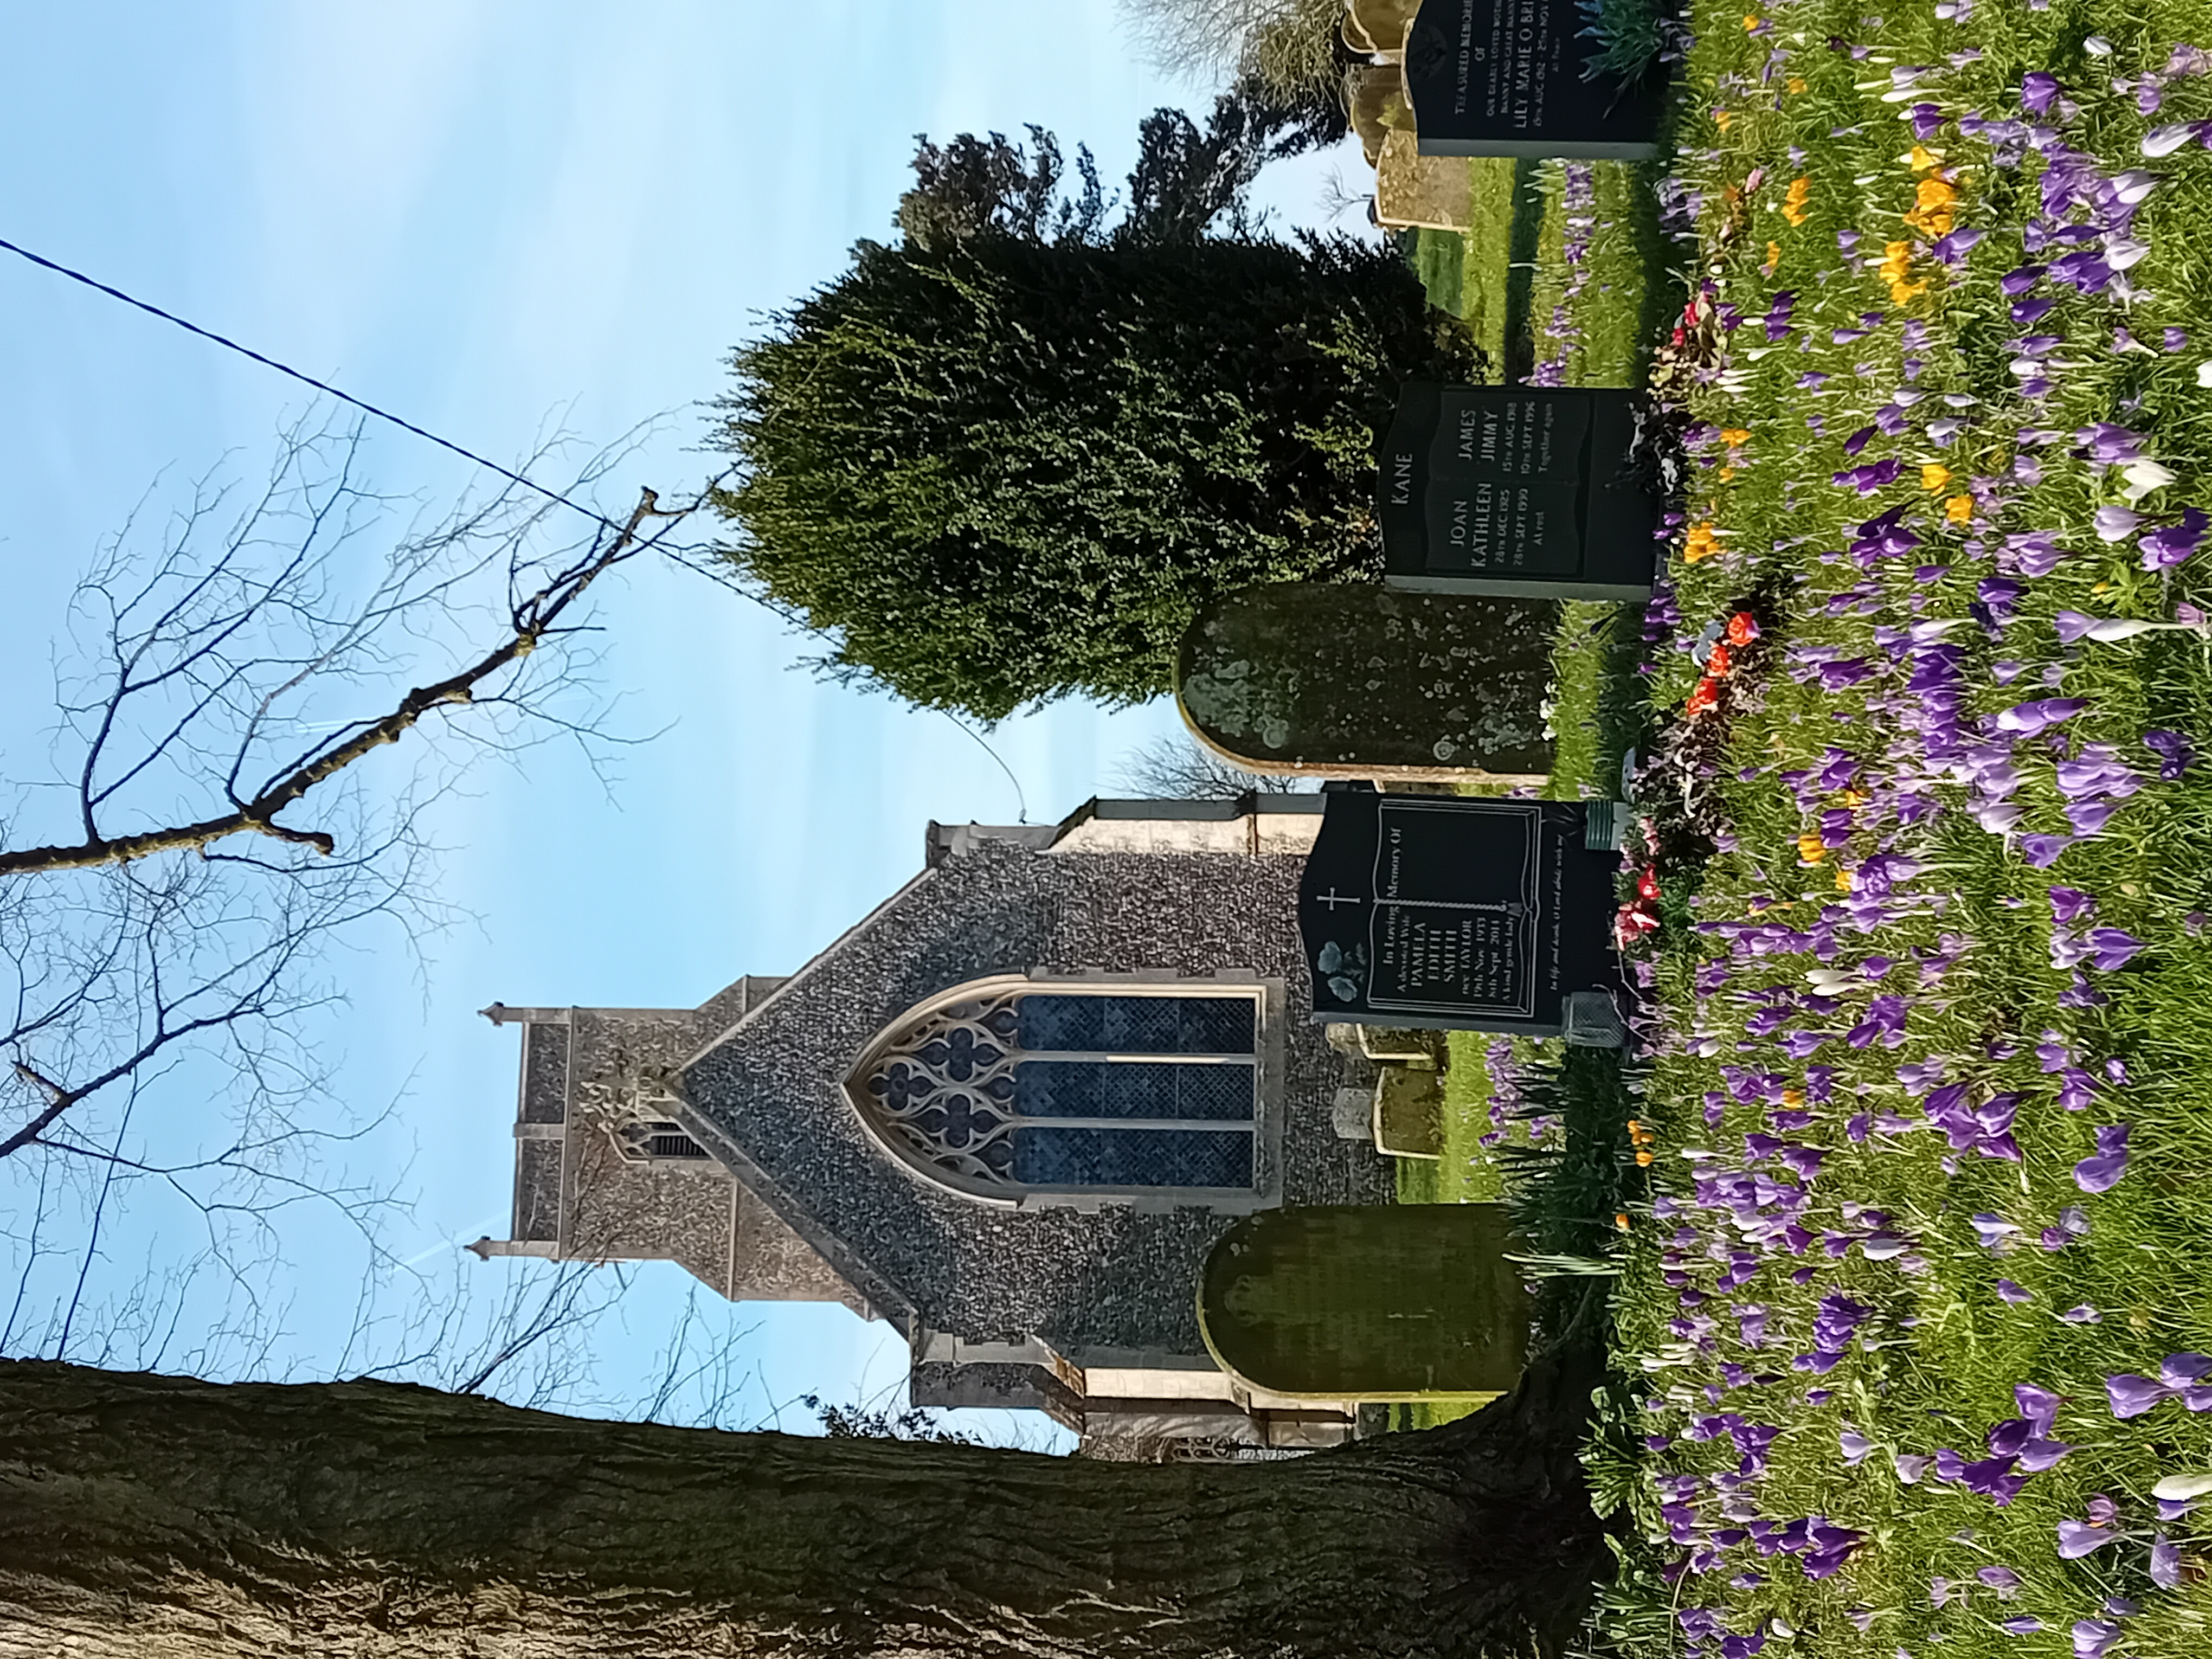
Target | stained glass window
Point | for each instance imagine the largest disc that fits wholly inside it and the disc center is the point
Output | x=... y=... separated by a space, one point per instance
x=1069 y=1089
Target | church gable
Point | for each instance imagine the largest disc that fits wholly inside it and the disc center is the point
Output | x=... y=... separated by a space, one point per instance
x=1093 y=1276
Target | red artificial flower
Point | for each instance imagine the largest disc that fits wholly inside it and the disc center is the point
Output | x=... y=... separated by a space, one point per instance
x=1742 y=628
x=1704 y=698
x=1632 y=924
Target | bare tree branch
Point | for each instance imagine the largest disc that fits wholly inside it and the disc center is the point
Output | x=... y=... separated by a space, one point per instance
x=534 y=618
x=271 y=689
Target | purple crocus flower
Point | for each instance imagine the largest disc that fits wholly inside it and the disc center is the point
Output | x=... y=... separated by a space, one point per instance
x=2173 y=751
x=2015 y=1294
x=2072 y=1223
x=2039 y=1406
x=2079 y=1538
x=1875 y=475
x=2088 y=818
x=2184 y=1370
x=2082 y=270
x=2020 y=1623
x=1995 y=1479
x=2115 y=524
x=2131 y=1395
x=2029 y=717
x=2037 y=89
x=2110 y=444
x=2111 y=949
x=2036 y=1456
x=1951 y=248
x=2164 y=547
x=2033 y=553
x=2041 y=851
x=2092 y=1636
x=2165 y=1563
x=1992 y=1231
x=2102 y=1172
x=2068 y=904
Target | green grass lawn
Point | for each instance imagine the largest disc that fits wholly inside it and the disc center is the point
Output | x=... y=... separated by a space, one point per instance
x=1895 y=1061
x=1590 y=306
x=1469 y=273
x=1898 y=1063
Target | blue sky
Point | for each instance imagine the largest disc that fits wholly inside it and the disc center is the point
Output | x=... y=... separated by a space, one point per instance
x=489 y=215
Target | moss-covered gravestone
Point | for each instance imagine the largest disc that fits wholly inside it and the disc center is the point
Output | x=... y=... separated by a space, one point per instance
x=1409 y=1113
x=1332 y=680
x=1368 y=1302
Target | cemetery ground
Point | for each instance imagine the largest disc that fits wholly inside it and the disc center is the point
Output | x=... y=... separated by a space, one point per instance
x=1916 y=1316
x=1550 y=274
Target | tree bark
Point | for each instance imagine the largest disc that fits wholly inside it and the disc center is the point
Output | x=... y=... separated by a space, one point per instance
x=164 y=1518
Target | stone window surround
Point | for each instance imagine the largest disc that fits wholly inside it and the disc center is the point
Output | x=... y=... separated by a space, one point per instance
x=1269 y=1084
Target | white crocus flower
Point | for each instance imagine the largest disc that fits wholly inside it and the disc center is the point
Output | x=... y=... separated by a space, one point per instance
x=2134 y=185
x=2124 y=252
x=2143 y=477
x=2180 y=1488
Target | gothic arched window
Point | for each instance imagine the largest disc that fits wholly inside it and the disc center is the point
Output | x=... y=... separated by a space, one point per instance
x=1013 y=1087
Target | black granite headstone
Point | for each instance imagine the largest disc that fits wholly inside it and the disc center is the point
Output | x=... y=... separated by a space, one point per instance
x=1456 y=913
x=1509 y=78
x=1520 y=492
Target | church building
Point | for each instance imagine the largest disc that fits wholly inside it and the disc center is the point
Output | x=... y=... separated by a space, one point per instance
x=1010 y=1111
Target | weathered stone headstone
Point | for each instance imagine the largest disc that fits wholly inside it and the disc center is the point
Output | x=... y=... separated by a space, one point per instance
x=1508 y=78
x=1458 y=912
x=1414 y=191
x=1368 y=1302
x=1409 y=1113
x=1376 y=93
x=1331 y=680
x=1383 y=22
x=1521 y=491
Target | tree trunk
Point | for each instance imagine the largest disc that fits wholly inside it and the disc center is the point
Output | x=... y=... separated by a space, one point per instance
x=159 y=1517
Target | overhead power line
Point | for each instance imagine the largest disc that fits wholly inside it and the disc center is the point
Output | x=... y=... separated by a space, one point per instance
x=228 y=344
x=448 y=445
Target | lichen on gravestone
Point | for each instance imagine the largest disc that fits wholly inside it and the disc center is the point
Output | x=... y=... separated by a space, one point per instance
x=1341 y=676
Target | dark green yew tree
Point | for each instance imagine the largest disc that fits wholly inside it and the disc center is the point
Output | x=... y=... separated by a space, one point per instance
x=1002 y=461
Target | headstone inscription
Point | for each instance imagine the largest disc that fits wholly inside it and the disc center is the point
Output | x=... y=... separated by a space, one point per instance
x=1511 y=78
x=1331 y=680
x=1520 y=491
x=1461 y=913
x=1368 y=1302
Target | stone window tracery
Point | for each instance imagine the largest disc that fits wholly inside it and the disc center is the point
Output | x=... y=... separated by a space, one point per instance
x=1012 y=1087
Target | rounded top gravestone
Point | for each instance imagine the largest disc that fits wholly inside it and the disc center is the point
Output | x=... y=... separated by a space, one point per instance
x=1368 y=1302
x=1328 y=679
